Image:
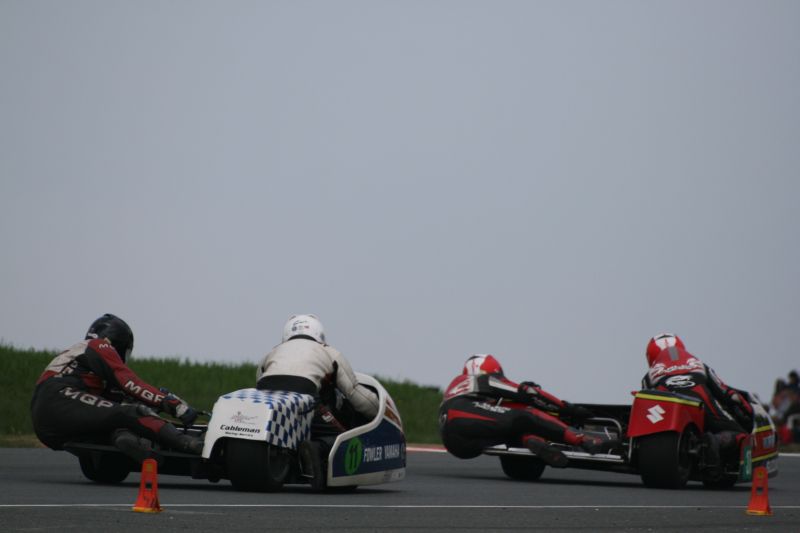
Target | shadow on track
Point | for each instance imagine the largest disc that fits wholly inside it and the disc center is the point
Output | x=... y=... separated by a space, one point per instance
x=627 y=483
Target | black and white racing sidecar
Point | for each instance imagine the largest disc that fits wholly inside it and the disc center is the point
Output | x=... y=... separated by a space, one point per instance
x=258 y=434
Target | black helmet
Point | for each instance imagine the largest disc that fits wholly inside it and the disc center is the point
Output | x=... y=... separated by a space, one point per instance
x=115 y=330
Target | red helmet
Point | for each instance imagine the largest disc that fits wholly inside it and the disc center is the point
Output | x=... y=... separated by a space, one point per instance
x=482 y=363
x=660 y=342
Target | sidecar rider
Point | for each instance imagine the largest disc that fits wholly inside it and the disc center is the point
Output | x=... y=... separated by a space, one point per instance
x=727 y=411
x=303 y=362
x=472 y=415
x=81 y=391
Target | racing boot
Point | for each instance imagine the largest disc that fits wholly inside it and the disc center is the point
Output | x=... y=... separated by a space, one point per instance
x=134 y=446
x=547 y=453
x=169 y=436
x=595 y=444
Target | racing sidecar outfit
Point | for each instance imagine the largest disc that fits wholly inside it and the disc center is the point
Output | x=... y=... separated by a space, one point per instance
x=80 y=392
x=304 y=365
x=675 y=369
x=472 y=415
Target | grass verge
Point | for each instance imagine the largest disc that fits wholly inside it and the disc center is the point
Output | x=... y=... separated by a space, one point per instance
x=200 y=384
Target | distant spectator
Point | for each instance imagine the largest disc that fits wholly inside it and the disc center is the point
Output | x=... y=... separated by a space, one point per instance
x=782 y=399
x=786 y=408
x=794 y=382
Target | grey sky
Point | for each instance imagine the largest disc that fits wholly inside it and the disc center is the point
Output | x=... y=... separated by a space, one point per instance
x=552 y=182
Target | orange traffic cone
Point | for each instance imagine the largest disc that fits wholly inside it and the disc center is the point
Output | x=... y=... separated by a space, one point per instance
x=147 y=502
x=759 y=498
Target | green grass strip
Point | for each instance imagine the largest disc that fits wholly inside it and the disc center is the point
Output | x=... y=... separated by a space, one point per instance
x=200 y=384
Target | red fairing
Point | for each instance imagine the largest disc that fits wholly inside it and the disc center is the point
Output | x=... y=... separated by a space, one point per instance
x=126 y=379
x=649 y=415
x=764 y=441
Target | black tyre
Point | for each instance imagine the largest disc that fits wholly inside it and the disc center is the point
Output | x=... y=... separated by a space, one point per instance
x=108 y=468
x=256 y=466
x=664 y=459
x=522 y=468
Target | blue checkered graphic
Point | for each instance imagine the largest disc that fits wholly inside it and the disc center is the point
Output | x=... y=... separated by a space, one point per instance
x=290 y=414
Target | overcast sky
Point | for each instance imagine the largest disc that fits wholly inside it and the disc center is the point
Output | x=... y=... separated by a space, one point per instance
x=551 y=182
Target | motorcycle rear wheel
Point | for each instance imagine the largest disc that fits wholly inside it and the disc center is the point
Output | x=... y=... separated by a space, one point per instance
x=255 y=466
x=522 y=468
x=664 y=459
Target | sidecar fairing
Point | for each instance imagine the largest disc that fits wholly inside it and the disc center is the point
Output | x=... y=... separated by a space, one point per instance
x=372 y=453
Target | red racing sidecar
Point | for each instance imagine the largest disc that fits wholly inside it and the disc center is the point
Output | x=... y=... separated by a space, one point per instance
x=661 y=440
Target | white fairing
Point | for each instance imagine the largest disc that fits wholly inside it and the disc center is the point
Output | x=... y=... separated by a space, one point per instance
x=280 y=418
x=376 y=449
x=387 y=414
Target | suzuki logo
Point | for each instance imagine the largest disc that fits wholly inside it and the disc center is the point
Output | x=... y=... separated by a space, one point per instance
x=656 y=414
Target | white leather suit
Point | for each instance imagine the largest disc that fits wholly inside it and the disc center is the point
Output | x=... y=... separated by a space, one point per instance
x=314 y=361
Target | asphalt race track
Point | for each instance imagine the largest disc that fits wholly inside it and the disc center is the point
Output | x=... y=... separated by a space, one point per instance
x=42 y=490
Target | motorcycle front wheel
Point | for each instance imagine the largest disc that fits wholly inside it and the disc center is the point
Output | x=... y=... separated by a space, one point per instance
x=105 y=468
x=522 y=468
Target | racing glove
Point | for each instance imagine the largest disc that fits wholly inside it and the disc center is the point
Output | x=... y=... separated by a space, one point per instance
x=528 y=389
x=738 y=398
x=174 y=406
x=575 y=411
x=529 y=392
x=740 y=408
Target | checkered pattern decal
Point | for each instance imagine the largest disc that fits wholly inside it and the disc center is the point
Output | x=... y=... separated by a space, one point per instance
x=290 y=414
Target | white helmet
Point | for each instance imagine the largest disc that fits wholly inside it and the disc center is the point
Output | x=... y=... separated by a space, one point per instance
x=304 y=325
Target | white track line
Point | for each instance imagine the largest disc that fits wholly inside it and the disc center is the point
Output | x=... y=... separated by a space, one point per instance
x=360 y=506
x=442 y=450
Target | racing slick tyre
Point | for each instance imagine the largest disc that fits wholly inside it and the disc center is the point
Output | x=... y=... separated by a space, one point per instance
x=522 y=468
x=665 y=461
x=105 y=468
x=255 y=466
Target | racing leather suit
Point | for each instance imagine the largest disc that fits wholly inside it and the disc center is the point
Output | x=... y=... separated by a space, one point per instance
x=472 y=415
x=304 y=365
x=80 y=392
x=675 y=369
